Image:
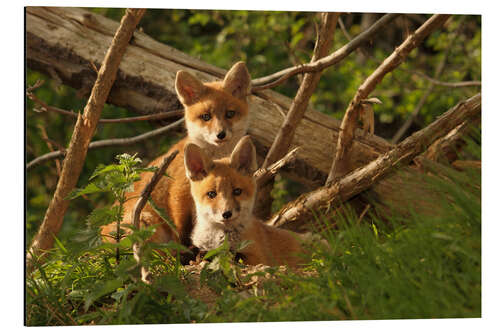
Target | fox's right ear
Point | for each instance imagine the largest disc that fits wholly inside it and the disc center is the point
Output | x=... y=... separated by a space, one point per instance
x=189 y=89
x=237 y=81
x=244 y=157
x=196 y=162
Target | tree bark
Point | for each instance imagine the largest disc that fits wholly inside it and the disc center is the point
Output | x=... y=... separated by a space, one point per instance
x=82 y=134
x=299 y=212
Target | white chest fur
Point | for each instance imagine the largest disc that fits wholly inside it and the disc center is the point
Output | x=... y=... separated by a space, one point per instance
x=208 y=235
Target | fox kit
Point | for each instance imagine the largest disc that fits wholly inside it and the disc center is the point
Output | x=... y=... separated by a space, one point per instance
x=223 y=191
x=216 y=117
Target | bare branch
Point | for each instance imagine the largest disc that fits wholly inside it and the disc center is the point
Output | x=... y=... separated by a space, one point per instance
x=330 y=196
x=349 y=122
x=448 y=145
x=263 y=175
x=447 y=84
x=439 y=70
x=50 y=144
x=157 y=116
x=283 y=140
x=35 y=86
x=344 y=30
x=143 y=199
x=297 y=109
x=109 y=143
x=319 y=64
x=82 y=134
x=462 y=165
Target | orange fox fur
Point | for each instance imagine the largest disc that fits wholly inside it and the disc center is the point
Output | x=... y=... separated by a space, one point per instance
x=216 y=117
x=223 y=191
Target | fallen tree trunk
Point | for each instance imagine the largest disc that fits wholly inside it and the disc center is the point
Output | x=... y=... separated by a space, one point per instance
x=302 y=210
x=66 y=43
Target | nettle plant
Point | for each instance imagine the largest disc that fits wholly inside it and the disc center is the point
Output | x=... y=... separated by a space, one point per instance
x=117 y=179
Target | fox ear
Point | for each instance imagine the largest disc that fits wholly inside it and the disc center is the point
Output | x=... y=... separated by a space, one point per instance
x=243 y=157
x=196 y=162
x=237 y=81
x=188 y=88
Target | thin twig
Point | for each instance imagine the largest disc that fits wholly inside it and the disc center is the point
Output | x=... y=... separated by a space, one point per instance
x=109 y=143
x=143 y=199
x=349 y=122
x=35 y=86
x=439 y=70
x=263 y=175
x=49 y=142
x=157 y=116
x=319 y=64
x=402 y=130
x=436 y=82
x=344 y=30
x=363 y=213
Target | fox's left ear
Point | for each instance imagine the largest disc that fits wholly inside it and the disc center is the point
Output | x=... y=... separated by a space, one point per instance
x=243 y=157
x=237 y=81
x=196 y=162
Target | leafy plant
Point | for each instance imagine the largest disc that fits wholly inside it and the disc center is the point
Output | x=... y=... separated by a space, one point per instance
x=117 y=179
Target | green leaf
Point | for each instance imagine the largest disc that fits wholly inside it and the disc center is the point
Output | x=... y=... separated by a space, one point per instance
x=89 y=189
x=140 y=235
x=148 y=169
x=60 y=245
x=101 y=290
x=102 y=169
x=128 y=160
x=171 y=245
x=172 y=285
x=243 y=244
x=223 y=248
x=103 y=216
x=375 y=231
x=161 y=212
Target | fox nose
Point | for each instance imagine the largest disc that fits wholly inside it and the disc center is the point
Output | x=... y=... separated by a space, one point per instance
x=221 y=135
x=227 y=214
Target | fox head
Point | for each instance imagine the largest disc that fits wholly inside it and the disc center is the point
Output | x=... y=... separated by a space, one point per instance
x=223 y=190
x=215 y=112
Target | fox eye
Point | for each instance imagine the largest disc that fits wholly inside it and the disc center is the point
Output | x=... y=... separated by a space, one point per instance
x=206 y=116
x=230 y=114
x=237 y=191
x=212 y=194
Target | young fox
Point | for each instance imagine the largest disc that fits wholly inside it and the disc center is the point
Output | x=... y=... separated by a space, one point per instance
x=223 y=191
x=216 y=117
